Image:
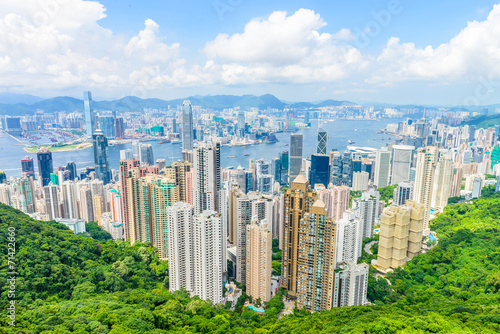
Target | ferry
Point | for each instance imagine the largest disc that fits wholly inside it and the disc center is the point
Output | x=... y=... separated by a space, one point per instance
x=246 y=154
x=350 y=142
x=176 y=141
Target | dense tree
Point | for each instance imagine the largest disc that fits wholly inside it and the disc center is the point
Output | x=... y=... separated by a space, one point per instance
x=78 y=284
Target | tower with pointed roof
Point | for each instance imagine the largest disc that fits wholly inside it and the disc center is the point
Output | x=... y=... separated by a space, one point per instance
x=316 y=259
x=297 y=201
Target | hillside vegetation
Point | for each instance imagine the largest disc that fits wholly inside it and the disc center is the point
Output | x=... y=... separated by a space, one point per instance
x=77 y=284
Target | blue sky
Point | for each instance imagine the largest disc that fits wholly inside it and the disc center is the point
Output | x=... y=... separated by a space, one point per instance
x=417 y=51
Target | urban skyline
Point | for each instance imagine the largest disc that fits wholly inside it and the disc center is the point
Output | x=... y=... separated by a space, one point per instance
x=373 y=183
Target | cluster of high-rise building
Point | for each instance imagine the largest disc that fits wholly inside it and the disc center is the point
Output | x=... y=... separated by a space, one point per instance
x=199 y=215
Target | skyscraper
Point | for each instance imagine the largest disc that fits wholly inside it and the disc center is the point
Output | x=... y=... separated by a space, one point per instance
x=350 y=284
x=403 y=192
x=322 y=141
x=442 y=181
x=180 y=246
x=126 y=154
x=28 y=167
x=136 y=149
x=259 y=258
x=281 y=172
x=107 y=125
x=295 y=155
x=126 y=166
x=71 y=167
x=360 y=181
x=402 y=156
x=336 y=199
x=146 y=154
x=187 y=126
x=241 y=124
x=347 y=169
x=427 y=159
x=119 y=128
x=86 y=204
x=400 y=234
x=349 y=237
x=264 y=175
x=51 y=196
x=101 y=156
x=27 y=192
x=208 y=257
x=70 y=203
x=336 y=168
x=148 y=197
x=207 y=178
x=163 y=194
x=367 y=209
x=320 y=170
x=316 y=259
x=243 y=219
x=89 y=114
x=382 y=168
x=182 y=173
x=297 y=200
x=44 y=157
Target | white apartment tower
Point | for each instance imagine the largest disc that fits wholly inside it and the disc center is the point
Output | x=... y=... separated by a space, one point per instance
x=207 y=255
x=180 y=246
x=349 y=238
x=259 y=258
x=367 y=208
x=207 y=178
x=427 y=159
x=402 y=156
x=382 y=168
x=70 y=200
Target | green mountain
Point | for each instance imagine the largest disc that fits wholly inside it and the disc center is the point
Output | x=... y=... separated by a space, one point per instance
x=12 y=98
x=80 y=284
x=483 y=121
x=136 y=104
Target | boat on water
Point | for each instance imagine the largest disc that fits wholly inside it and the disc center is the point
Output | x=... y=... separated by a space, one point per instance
x=231 y=156
x=355 y=130
x=246 y=154
x=176 y=141
x=164 y=141
x=351 y=142
x=286 y=144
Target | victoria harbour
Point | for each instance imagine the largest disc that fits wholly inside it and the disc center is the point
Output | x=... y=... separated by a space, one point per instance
x=340 y=131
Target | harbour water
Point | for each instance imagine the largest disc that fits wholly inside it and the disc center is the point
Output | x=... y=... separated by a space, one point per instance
x=362 y=132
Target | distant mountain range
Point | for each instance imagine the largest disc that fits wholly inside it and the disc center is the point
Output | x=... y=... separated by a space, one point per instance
x=11 y=98
x=16 y=104
x=22 y=104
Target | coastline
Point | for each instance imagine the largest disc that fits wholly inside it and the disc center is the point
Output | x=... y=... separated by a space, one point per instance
x=77 y=147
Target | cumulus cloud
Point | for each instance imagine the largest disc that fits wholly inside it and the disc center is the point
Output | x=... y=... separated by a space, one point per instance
x=284 y=48
x=60 y=45
x=472 y=53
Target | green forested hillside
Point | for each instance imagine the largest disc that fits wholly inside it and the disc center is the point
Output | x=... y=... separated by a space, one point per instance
x=75 y=284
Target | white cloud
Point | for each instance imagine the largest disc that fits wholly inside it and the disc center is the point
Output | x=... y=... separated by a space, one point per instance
x=471 y=54
x=59 y=45
x=284 y=48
